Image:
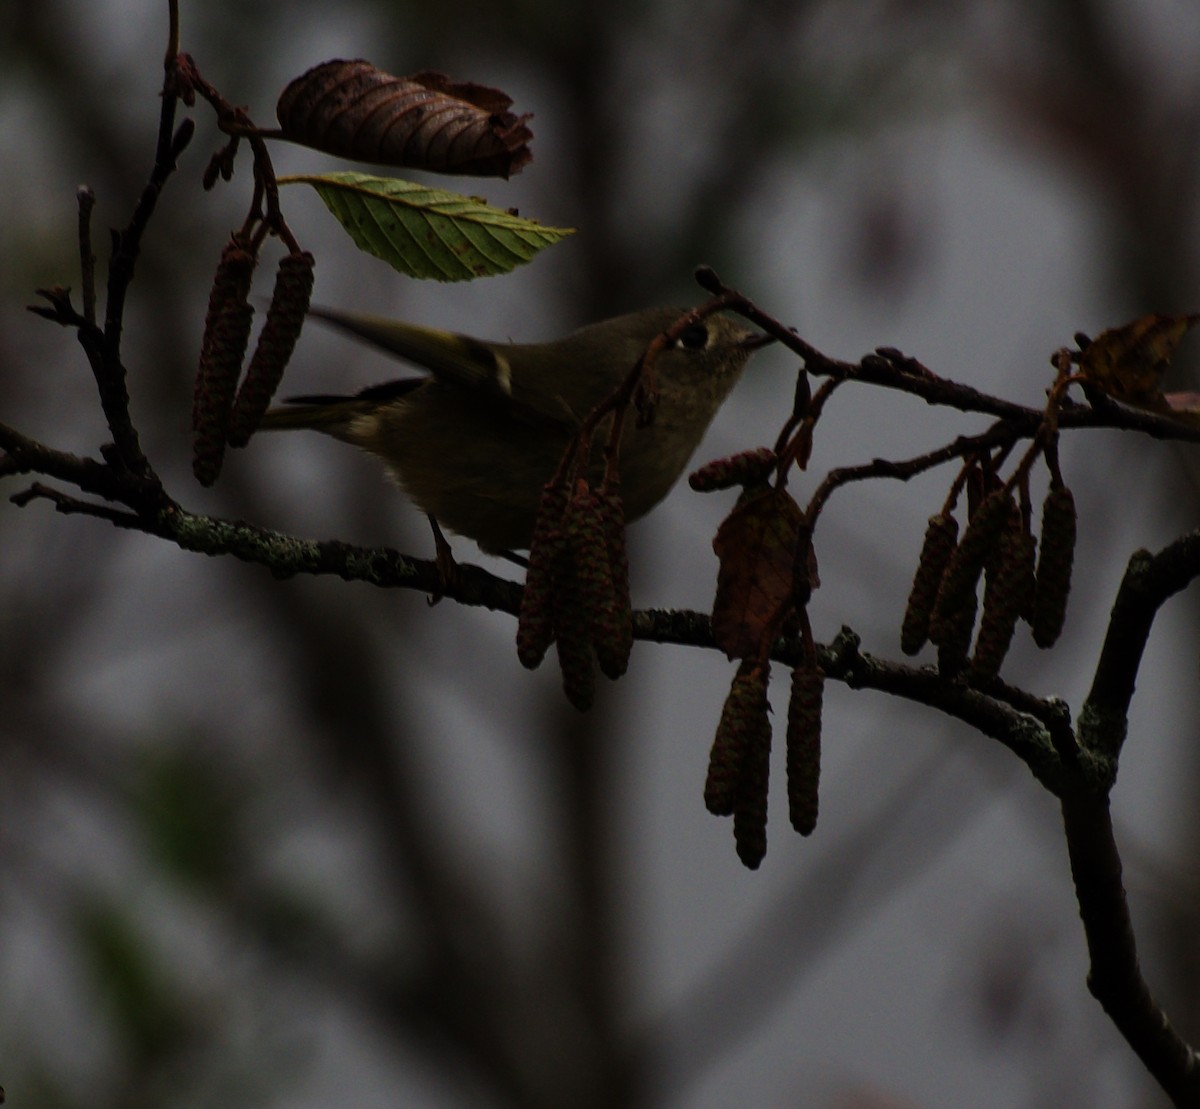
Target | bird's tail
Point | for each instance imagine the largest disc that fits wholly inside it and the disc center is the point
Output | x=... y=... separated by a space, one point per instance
x=332 y=415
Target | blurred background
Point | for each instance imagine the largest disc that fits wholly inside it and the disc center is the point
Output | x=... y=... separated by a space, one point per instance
x=307 y=843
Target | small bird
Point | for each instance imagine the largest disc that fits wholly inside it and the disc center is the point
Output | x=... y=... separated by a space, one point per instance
x=473 y=443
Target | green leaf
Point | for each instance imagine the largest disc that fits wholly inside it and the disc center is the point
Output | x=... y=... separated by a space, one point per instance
x=428 y=233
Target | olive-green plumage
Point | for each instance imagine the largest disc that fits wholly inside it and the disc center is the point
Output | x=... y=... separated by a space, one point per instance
x=473 y=443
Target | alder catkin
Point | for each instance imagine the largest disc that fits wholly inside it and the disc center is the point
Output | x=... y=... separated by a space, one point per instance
x=226 y=336
x=613 y=656
x=589 y=553
x=751 y=467
x=954 y=637
x=750 y=802
x=1056 y=556
x=941 y=534
x=572 y=638
x=956 y=593
x=281 y=329
x=732 y=741
x=547 y=550
x=804 y=747
x=1005 y=596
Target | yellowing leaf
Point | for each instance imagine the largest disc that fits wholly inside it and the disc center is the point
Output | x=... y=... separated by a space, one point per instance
x=428 y=233
x=1128 y=362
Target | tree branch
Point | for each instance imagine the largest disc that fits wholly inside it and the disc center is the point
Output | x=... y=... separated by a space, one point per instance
x=1022 y=722
x=888 y=368
x=1115 y=977
x=285 y=555
x=1148 y=582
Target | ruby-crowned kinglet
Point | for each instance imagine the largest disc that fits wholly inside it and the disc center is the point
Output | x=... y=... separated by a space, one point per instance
x=474 y=443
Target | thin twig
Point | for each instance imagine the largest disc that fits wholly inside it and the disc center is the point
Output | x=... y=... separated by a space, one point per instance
x=889 y=369
x=105 y=355
x=999 y=434
x=73 y=506
x=86 y=200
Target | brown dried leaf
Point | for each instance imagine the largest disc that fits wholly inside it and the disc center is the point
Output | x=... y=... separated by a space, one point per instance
x=757 y=546
x=1128 y=362
x=425 y=121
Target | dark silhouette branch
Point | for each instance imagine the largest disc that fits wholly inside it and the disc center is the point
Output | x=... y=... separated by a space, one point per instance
x=1148 y=582
x=888 y=368
x=1115 y=976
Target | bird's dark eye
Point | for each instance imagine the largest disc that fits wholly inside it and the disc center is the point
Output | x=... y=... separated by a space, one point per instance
x=694 y=337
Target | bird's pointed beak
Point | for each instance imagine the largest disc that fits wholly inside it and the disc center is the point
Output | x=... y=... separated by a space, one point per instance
x=755 y=342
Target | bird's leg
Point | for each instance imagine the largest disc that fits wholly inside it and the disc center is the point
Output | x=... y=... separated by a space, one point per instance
x=446 y=566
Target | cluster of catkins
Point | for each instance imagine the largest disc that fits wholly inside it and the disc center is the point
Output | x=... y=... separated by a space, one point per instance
x=1024 y=581
x=222 y=412
x=739 y=762
x=577 y=587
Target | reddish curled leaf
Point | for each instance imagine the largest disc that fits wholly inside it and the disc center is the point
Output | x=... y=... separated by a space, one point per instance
x=806 y=574
x=757 y=546
x=426 y=121
x=1128 y=362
